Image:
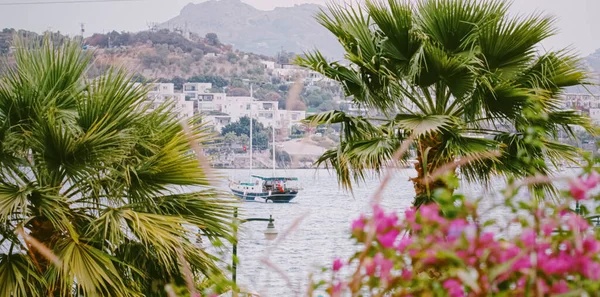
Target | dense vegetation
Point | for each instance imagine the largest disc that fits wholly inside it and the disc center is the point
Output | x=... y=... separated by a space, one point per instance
x=461 y=78
x=91 y=184
x=241 y=128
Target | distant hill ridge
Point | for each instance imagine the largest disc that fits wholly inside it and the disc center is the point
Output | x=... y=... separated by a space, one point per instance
x=258 y=31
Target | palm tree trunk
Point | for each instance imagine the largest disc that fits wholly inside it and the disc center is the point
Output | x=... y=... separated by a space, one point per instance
x=428 y=148
x=43 y=231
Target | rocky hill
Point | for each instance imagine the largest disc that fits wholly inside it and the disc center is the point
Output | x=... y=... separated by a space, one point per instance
x=252 y=30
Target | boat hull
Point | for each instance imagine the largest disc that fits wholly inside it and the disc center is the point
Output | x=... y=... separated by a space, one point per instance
x=285 y=197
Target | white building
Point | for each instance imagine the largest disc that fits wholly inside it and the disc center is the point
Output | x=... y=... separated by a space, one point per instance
x=268 y=64
x=200 y=94
x=160 y=93
x=595 y=115
x=581 y=101
x=231 y=109
x=192 y=90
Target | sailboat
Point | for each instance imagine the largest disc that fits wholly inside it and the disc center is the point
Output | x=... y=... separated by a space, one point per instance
x=274 y=189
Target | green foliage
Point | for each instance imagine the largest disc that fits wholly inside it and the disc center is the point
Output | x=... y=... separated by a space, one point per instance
x=216 y=81
x=315 y=97
x=97 y=180
x=212 y=39
x=463 y=76
x=260 y=135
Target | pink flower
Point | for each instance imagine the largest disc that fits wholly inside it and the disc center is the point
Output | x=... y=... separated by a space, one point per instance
x=560 y=287
x=456 y=228
x=359 y=224
x=454 y=288
x=337 y=289
x=337 y=264
x=404 y=243
x=370 y=267
x=578 y=189
x=387 y=240
x=410 y=214
x=592 y=180
x=431 y=212
x=383 y=221
x=591 y=269
x=560 y=264
x=385 y=266
x=542 y=286
x=406 y=274
x=580 y=186
x=591 y=245
x=548 y=228
x=576 y=222
x=528 y=237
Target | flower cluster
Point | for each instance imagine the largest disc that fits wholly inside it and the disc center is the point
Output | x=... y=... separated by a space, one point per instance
x=443 y=249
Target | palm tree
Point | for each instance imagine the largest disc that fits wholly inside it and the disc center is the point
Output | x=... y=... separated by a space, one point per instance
x=95 y=195
x=462 y=76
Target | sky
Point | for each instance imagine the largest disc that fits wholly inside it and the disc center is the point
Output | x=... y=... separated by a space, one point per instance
x=578 y=20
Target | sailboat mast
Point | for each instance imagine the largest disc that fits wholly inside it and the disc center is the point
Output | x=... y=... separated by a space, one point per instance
x=251 y=128
x=273 y=145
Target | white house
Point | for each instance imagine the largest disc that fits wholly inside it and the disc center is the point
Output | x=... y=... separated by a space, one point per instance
x=268 y=64
x=595 y=115
x=230 y=109
x=164 y=92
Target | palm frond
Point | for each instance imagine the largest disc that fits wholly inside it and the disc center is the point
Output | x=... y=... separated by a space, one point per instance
x=422 y=124
x=19 y=277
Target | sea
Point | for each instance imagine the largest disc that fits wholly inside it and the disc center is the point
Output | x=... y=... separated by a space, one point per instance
x=314 y=228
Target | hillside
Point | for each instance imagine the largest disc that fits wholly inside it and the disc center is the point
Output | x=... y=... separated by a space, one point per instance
x=252 y=30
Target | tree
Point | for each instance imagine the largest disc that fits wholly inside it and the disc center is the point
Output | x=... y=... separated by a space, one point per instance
x=260 y=135
x=212 y=39
x=326 y=106
x=237 y=92
x=88 y=184
x=216 y=81
x=282 y=158
x=450 y=73
x=272 y=96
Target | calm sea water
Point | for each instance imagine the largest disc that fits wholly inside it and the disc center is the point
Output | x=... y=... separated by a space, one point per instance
x=324 y=213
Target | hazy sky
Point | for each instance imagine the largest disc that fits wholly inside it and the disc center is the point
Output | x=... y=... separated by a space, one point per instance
x=579 y=20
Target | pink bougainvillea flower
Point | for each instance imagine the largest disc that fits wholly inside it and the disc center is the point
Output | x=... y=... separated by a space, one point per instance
x=410 y=214
x=454 y=288
x=591 y=245
x=580 y=186
x=384 y=221
x=337 y=264
x=456 y=228
x=577 y=222
x=521 y=263
x=337 y=288
x=591 y=269
x=528 y=237
x=404 y=243
x=542 y=286
x=370 y=267
x=591 y=181
x=560 y=287
x=387 y=240
x=385 y=266
x=578 y=189
x=358 y=225
x=431 y=212
x=406 y=274
x=549 y=227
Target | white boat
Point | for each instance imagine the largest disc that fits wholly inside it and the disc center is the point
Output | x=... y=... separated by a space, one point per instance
x=274 y=189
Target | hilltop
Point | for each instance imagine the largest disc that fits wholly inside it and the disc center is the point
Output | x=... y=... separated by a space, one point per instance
x=252 y=30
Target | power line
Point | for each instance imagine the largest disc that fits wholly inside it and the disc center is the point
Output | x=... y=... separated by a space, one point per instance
x=63 y=2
